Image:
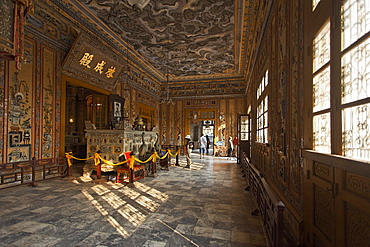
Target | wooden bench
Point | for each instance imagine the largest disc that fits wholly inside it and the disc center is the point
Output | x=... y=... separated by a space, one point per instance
x=270 y=207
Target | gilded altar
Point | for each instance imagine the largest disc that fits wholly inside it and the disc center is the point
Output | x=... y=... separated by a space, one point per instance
x=112 y=143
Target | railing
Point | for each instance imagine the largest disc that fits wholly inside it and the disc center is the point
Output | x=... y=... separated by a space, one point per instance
x=31 y=171
x=269 y=206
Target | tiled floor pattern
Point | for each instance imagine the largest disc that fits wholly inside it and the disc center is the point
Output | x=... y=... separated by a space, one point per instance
x=202 y=206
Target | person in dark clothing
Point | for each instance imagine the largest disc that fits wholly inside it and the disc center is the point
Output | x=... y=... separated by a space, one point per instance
x=208 y=143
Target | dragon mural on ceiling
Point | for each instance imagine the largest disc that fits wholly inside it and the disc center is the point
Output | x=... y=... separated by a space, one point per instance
x=179 y=37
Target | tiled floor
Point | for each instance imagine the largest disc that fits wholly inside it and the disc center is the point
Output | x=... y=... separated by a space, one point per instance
x=202 y=206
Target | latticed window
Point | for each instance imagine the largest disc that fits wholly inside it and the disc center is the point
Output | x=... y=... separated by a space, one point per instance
x=321 y=90
x=348 y=107
x=262 y=110
x=355 y=79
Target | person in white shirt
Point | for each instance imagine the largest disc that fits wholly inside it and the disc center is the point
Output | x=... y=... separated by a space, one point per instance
x=203 y=145
x=187 y=151
x=230 y=148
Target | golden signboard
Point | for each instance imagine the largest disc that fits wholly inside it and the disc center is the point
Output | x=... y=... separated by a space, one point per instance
x=93 y=62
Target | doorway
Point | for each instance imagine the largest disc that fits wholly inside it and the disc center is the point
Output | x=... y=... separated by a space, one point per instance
x=82 y=105
x=75 y=111
x=205 y=127
x=208 y=127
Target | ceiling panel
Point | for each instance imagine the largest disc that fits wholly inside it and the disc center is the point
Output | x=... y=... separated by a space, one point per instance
x=182 y=38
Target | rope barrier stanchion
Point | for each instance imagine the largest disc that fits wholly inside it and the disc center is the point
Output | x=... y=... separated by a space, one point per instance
x=177 y=156
x=98 y=163
x=165 y=161
x=131 y=165
x=69 y=175
x=153 y=164
x=131 y=168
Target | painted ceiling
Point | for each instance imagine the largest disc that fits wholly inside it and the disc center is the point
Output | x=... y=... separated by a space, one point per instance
x=179 y=37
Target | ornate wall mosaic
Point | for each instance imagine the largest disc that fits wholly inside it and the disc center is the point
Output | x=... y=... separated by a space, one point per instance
x=21 y=96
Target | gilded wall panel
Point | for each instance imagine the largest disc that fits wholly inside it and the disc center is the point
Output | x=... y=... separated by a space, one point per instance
x=275 y=148
x=133 y=106
x=48 y=78
x=179 y=120
x=282 y=78
x=164 y=123
x=172 y=127
x=2 y=105
x=221 y=130
x=21 y=95
x=231 y=112
x=294 y=99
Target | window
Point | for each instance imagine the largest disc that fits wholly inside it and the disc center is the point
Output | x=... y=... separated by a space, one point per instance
x=262 y=110
x=321 y=90
x=355 y=79
x=244 y=128
x=341 y=93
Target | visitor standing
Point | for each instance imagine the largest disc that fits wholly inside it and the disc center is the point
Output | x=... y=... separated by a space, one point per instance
x=187 y=151
x=208 y=143
x=230 y=147
x=203 y=145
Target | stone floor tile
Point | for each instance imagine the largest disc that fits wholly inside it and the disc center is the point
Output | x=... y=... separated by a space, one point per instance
x=221 y=234
x=204 y=206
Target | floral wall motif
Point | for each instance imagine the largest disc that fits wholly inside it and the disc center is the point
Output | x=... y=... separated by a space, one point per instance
x=48 y=95
x=20 y=96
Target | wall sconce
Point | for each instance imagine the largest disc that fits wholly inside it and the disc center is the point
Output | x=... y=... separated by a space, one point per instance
x=71 y=120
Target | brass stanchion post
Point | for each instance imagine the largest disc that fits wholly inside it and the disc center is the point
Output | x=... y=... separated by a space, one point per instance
x=177 y=155
x=69 y=175
x=69 y=171
x=131 y=178
x=98 y=171
x=153 y=165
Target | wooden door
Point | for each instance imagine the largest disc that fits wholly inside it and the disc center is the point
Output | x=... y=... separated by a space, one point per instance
x=244 y=135
x=320 y=204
